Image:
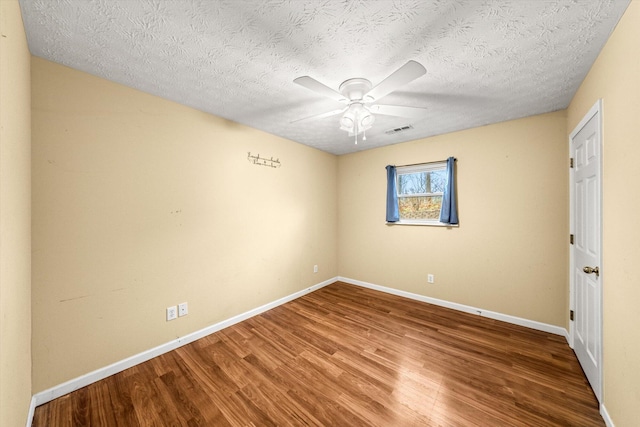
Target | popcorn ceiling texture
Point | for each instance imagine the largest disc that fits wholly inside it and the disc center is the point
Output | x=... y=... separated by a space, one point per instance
x=487 y=61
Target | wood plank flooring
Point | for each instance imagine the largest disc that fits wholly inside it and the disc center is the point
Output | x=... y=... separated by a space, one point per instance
x=346 y=356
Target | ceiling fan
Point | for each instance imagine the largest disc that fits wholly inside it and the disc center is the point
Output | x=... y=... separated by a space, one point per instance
x=359 y=95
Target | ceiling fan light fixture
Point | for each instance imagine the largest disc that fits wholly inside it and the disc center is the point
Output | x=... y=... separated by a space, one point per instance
x=347 y=121
x=356 y=119
x=367 y=120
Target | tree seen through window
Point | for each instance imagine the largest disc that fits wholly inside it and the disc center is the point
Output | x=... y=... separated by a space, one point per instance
x=420 y=194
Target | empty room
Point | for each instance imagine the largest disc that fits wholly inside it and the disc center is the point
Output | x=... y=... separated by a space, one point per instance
x=305 y=212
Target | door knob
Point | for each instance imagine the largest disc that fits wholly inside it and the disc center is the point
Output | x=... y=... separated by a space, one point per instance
x=590 y=270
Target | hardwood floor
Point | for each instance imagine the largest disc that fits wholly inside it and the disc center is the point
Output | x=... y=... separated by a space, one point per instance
x=346 y=356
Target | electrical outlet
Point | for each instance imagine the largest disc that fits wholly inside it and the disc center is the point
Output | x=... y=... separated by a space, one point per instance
x=315 y=268
x=172 y=313
x=430 y=278
x=183 y=309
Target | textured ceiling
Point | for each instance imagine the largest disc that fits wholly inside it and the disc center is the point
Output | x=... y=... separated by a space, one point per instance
x=487 y=61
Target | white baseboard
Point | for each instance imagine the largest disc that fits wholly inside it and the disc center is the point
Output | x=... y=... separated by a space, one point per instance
x=556 y=330
x=605 y=416
x=32 y=410
x=99 y=374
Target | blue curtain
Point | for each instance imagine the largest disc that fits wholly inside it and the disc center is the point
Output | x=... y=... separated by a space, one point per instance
x=449 y=209
x=392 y=195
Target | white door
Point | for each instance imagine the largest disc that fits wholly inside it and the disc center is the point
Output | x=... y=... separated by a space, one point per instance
x=586 y=252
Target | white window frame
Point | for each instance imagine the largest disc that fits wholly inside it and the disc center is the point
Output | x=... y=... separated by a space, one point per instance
x=424 y=167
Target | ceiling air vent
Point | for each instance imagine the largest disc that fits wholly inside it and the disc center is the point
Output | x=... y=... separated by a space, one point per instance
x=398 y=130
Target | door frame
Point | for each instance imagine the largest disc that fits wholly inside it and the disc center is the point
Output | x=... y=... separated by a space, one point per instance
x=595 y=109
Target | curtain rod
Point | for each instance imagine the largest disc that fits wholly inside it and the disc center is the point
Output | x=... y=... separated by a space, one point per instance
x=425 y=163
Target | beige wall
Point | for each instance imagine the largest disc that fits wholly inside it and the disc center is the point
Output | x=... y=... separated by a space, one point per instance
x=509 y=253
x=141 y=203
x=15 y=218
x=615 y=77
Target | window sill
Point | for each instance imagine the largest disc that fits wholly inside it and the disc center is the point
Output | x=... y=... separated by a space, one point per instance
x=423 y=223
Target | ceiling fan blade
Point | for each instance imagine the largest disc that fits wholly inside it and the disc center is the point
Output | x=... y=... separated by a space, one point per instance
x=314 y=85
x=403 y=75
x=322 y=115
x=399 y=111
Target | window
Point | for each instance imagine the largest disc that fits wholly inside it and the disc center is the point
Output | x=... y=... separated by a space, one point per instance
x=423 y=194
x=420 y=189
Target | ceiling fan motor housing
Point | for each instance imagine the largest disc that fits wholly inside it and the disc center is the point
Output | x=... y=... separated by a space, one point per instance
x=355 y=89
